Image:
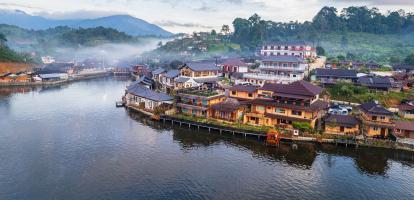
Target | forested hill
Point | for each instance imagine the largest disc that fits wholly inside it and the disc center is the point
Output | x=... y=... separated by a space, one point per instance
x=8 y=55
x=254 y=30
x=64 y=35
x=354 y=28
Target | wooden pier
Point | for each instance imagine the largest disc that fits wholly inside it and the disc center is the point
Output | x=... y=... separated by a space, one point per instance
x=211 y=127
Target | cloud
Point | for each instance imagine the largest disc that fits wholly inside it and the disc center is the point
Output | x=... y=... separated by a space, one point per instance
x=179 y=24
x=78 y=14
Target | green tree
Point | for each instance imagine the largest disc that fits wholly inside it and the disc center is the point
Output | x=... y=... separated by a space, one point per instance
x=320 y=50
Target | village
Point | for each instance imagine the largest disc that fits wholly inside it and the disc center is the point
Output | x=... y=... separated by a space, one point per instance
x=51 y=72
x=287 y=93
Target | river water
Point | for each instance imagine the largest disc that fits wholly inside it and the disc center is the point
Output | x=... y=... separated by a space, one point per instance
x=71 y=142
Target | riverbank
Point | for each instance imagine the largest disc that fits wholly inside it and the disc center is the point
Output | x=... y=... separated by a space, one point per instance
x=260 y=133
x=45 y=83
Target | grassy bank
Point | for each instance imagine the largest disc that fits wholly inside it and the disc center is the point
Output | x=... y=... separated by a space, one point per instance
x=359 y=94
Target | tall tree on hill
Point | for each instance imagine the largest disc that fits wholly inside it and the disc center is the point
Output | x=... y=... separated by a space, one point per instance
x=327 y=20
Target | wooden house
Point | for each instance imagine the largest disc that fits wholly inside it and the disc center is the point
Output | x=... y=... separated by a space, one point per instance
x=377 y=121
x=283 y=104
x=230 y=110
x=404 y=129
x=197 y=102
x=341 y=125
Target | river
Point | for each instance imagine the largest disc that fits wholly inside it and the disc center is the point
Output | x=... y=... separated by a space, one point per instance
x=71 y=142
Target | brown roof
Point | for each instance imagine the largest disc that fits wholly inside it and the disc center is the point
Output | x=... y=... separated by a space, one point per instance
x=404 y=125
x=244 y=88
x=318 y=105
x=299 y=88
x=374 y=108
x=230 y=105
x=347 y=120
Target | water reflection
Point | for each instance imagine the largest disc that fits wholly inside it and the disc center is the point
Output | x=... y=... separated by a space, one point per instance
x=371 y=161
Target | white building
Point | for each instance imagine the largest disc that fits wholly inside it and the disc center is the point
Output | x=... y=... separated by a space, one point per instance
x=278 y=69
x=299 y=49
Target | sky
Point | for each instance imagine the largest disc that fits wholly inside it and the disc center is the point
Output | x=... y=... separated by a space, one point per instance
x=193 y=15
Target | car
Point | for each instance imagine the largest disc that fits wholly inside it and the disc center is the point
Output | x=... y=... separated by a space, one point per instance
x=338 y=111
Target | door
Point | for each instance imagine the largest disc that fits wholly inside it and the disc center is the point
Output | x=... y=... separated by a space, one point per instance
x=383 y=130
x=341 y=129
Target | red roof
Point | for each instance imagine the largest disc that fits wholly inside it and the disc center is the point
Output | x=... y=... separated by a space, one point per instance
x=234 y=62
x=404 y=125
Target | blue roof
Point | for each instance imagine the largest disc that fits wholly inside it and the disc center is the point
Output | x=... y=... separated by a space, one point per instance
x=54 y=75
x=181 y=79
x=139 y=90
x=202 y=66
x=158 y=71
x=172 y=73
x=282 y=58
x=144 y=80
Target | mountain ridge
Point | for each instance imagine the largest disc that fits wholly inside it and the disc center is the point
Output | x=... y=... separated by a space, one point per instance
x=124 y=23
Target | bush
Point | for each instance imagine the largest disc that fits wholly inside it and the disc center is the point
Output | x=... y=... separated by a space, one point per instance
x=302 y=126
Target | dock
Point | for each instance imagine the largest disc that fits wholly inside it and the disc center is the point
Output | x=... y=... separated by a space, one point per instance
x=119 y=104
x=211 y=127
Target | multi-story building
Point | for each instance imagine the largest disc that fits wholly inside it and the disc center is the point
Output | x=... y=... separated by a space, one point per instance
x=281 y=105
x=197 y=102
x=377 y=121
x=278 y=69
x=298 y=49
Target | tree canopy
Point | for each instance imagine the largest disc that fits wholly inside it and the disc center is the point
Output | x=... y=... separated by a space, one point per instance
x=254 y=30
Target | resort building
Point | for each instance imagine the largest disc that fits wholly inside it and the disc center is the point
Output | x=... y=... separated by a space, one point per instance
x=200 y=73
x=142 y=97
x=404 y=129
x=280 y=105
x=278 y=69
x=243 y=92
x=195 y=102
x=406 y=110
x=376 y=120
x=230 y=110
x=298 y=49
x=233 y=65
x=341 y=125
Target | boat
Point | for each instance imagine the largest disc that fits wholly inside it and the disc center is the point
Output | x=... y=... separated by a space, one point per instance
x=155 y=117
x=272 y=137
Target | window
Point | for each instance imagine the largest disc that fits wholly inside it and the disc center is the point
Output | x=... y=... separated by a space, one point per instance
x=295 y=112
x=233 y=92
x=279 y=110
x=374 y=118
x=375 y=128
x=260 y=108
x=382 y=117
x=250 y=95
